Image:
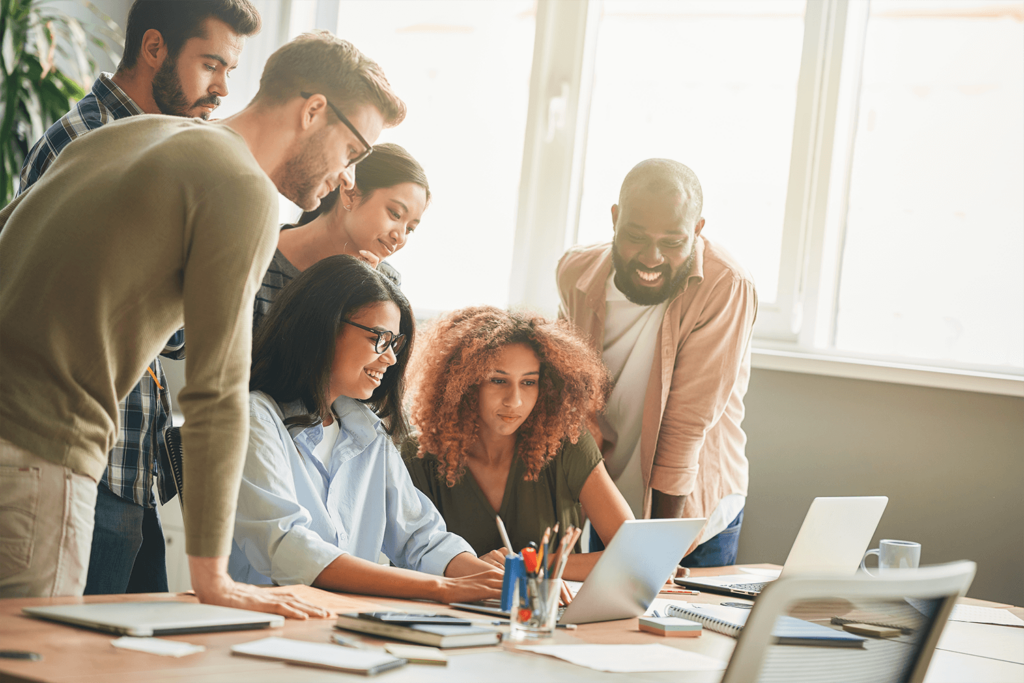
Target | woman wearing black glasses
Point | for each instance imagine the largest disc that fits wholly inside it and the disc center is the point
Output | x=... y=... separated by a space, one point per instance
x=324 y=491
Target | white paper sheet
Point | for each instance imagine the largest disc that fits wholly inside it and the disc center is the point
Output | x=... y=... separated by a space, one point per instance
x=630 y=658
x=157 y=646
x=985 y=615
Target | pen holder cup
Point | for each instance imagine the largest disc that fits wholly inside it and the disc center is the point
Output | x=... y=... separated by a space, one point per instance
x=534 y=608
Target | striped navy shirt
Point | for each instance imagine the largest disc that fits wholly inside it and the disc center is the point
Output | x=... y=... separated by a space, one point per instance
x=281 y=272
x=139 y=455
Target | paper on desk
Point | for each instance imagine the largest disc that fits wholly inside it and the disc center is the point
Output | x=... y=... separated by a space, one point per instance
x=573 y=586
x=985 y=615
x=157 y=646
x=629 y=658
x=770 y=573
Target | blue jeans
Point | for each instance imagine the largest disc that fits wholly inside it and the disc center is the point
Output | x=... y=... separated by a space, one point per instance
x=718 y=551
x=128 y=554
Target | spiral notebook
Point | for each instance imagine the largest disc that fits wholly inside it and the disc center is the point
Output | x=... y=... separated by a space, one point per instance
x=787 y=630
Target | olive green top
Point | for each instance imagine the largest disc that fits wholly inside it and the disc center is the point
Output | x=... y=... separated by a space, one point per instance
x=527 y=507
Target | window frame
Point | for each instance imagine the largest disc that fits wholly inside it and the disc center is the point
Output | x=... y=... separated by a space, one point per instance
x=796 y=332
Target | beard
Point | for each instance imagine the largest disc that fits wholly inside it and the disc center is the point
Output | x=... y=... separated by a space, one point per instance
x=170 y=96
x=650 y=296
x=304 y=172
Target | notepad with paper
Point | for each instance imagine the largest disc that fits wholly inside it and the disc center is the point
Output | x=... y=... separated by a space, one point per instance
x=787 y=630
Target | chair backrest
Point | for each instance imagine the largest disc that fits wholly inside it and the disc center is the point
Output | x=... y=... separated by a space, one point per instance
x=917 y=602
x=172 y=442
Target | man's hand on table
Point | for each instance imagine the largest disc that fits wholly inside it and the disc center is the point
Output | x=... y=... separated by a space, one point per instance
x=213 y=586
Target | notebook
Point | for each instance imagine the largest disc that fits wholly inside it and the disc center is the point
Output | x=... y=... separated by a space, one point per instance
x=787 y=630
x=642 y=555
x=832 y=540
x=434 y=634
x=321 y=655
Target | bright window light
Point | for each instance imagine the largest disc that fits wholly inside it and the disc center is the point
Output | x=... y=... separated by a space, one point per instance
x=463 y=68
x=933 y=262
x=713 y=85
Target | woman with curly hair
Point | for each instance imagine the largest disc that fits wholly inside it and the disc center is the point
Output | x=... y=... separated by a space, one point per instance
x=500 y=401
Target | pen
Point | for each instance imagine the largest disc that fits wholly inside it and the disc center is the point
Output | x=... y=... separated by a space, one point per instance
x=679 y=591
x=504 y=535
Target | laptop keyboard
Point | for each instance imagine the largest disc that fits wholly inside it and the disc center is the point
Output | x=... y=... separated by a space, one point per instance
x=752 y=587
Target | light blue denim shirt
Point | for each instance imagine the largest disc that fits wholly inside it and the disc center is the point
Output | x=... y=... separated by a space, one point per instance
x=295 y=516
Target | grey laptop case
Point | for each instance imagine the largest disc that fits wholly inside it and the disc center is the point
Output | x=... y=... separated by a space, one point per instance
x=155 y=618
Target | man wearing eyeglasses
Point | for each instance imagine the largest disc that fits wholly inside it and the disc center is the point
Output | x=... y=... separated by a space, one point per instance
x=178 y=56
x=110 y=253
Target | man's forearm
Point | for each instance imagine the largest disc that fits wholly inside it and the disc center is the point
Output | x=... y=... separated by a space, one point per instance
x=665 y=506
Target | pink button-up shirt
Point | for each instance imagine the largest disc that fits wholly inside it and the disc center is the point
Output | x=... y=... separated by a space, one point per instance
x=691 y=442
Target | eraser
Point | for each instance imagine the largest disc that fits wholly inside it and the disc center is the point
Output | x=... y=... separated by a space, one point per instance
x=672 y=627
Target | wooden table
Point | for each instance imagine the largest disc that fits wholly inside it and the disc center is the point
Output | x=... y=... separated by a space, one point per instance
x=968 y=652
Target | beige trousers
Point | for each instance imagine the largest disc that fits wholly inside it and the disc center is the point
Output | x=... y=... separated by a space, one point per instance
x=46 y=519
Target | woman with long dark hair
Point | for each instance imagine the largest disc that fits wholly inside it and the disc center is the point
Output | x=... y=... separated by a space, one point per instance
x=324 y=491
x=371 y=222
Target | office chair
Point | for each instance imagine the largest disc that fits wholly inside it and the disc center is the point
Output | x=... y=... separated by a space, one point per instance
x=916 y=603
x=172 y=446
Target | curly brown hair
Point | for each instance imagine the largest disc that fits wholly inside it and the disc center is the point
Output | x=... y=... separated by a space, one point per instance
x=455 y=354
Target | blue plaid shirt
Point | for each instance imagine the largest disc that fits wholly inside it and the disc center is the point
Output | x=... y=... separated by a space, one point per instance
x=139 y=455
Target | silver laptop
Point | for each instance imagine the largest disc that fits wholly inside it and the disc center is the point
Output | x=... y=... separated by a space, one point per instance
x=156 y=618
x=832 y=540
x=632 y=570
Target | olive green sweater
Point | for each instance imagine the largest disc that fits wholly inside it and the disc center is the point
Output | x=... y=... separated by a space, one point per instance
x=141 y=226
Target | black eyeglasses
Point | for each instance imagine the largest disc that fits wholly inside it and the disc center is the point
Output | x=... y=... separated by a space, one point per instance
x=368 y=148
x=385 y=338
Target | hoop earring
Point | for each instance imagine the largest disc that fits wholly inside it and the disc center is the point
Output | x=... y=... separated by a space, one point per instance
x=347 y=208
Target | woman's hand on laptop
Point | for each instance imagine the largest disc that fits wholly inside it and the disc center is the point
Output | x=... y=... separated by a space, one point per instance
x=213 y=586
x=565 y=597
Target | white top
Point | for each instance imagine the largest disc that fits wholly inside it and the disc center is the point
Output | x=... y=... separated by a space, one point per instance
x=630 y=337
x=322 y=451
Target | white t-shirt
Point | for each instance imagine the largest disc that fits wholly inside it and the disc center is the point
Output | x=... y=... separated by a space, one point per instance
x=630 y=338
x=322 y=452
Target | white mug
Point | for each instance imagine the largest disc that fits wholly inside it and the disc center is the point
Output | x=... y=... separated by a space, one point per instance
x=894 y=555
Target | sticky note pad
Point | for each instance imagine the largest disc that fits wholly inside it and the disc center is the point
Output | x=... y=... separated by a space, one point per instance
x=673 y=627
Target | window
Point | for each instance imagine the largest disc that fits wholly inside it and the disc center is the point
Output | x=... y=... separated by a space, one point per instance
x=463 y=68
x=864 y=160
x=933 y=260
x=712 y=85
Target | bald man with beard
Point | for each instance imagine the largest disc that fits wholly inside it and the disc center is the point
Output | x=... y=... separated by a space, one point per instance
x=672 y=314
